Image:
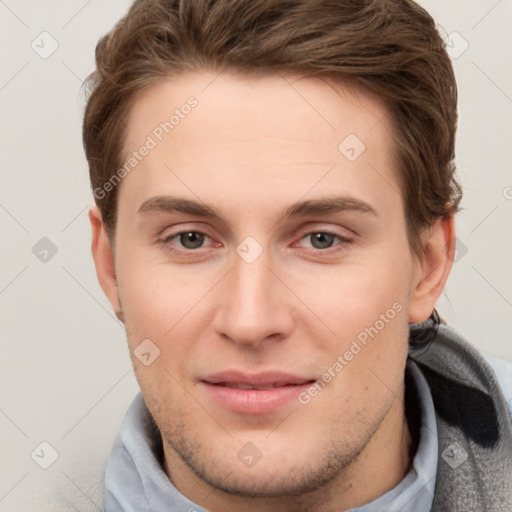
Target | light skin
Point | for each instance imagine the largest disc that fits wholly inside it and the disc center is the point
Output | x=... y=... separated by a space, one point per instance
x=249 y=151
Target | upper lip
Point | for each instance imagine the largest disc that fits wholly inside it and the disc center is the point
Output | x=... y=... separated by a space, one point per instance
x=269 y=378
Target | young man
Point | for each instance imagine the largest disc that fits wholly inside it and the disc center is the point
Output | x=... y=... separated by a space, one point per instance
x=274 y=223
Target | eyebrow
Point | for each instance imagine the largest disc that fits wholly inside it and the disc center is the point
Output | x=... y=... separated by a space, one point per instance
x=179 y=205
x=329 y=205
x=320 y=206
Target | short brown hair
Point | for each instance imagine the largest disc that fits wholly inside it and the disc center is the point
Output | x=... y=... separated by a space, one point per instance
x=389 y=47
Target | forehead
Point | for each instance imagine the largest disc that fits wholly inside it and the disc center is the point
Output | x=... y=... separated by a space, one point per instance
x=241 y=107
x=269 y=138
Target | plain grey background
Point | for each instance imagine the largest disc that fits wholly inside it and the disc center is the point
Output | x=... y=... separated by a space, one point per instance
x=66 y=376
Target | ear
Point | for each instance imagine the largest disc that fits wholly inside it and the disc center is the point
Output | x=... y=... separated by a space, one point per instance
x=432 y=268
x=104 y=260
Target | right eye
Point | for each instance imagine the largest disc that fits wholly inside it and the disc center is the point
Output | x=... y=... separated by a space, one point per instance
x=189 y=240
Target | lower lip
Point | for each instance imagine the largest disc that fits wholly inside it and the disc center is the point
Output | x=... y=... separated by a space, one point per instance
x=254 y=401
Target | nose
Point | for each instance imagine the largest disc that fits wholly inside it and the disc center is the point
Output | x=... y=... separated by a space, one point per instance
x=255 y=305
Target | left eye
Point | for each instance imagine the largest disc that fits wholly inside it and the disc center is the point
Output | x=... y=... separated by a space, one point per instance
x=188 y=239
x=323 y=240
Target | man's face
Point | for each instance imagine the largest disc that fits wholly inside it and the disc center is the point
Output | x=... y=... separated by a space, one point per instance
x=277 y=290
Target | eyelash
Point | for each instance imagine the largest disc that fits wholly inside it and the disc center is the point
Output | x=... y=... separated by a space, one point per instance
x=343 y=241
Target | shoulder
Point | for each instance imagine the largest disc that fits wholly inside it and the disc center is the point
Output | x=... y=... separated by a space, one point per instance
x=503 y=371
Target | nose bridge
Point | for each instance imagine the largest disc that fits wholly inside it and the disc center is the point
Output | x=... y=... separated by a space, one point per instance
x=252 y=285
x=253 y=307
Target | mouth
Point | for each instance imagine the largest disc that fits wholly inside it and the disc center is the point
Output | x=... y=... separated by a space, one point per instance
x=237 y=385
x=254 y=393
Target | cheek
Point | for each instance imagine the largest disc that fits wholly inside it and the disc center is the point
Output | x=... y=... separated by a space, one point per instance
x=365 y=307
x=365 y=368
x=155 y=297
x=165 y=305
x=352 y=296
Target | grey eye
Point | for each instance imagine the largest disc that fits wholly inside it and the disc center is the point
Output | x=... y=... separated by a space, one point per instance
x=191 y=239
x=322 y=240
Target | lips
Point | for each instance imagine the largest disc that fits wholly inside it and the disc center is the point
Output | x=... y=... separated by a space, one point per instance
x=237 y=385
x=259 y=393
x=258 y=380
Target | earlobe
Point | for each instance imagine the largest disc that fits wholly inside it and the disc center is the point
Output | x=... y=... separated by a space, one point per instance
x=433 y=269
x=104 y=260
